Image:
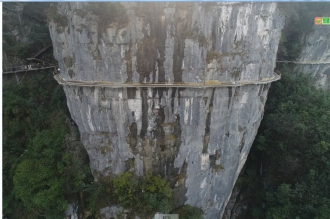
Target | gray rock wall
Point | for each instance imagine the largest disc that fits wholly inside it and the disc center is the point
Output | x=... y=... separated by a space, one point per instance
x=198 y=138
x=317 y=49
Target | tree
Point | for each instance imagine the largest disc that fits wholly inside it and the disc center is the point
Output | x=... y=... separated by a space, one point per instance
x=43 y=167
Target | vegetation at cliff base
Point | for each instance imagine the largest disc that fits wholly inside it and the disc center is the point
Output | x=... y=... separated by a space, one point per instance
x=188 y=212
x=288 y=170
x=142 y=196
x=139 y=196
x=44 y=164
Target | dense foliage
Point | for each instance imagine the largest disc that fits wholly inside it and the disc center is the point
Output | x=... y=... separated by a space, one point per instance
x=288 y=171
x=143 y=196
x=43 y=167
x=188 y=212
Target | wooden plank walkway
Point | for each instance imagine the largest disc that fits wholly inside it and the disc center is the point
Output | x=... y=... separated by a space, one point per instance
x=27 y=68
x=206 y=84
x=307 y=63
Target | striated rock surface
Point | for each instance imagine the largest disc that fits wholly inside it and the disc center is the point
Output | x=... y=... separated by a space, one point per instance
x=317 y=50
x=198 y=138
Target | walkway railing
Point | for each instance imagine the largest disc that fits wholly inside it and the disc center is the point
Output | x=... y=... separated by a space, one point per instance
x=307 y=63
x=211 y=83
x=24 y=68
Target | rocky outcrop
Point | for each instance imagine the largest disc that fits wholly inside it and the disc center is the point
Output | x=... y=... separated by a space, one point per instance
x=199 y=138
x=317 y=52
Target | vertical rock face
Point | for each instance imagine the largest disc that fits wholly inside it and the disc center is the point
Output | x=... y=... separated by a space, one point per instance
x=198 y=138
x=317 y=52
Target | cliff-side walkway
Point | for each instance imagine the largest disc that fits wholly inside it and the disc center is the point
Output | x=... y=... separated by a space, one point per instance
x=211 y=83
x=315 y=62
x=25 y=68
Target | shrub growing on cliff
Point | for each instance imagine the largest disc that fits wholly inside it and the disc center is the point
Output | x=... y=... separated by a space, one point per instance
x=125 y=188
x=144 y=196
x=188 y=212
x=155 y=195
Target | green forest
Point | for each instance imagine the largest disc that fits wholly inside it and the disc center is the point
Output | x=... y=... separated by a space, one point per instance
x=293 y=150
x=45 y=166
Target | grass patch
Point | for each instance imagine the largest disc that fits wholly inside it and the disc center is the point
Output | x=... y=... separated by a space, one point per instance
x=218 y=167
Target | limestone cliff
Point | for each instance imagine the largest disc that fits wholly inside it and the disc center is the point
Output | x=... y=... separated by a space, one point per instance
x=198 y=138
x=316 y=52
